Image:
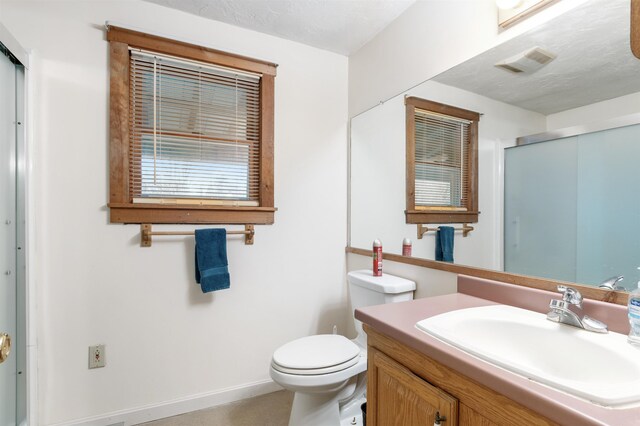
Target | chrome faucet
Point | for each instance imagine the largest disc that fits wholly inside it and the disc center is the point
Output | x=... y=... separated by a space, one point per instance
x=612 y=283
x=561 y=311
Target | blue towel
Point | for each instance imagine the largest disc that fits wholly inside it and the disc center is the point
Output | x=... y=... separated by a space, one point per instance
x=212 y=272
x=444 y=243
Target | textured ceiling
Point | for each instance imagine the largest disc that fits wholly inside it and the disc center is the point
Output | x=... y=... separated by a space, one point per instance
x=594 y=62
x=341 y=26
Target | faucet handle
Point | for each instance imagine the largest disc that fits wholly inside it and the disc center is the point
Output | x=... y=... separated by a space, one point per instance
x=571 y=295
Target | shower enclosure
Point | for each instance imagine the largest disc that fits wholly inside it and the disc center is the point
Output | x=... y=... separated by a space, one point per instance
x=572 y=207
x=13 y=371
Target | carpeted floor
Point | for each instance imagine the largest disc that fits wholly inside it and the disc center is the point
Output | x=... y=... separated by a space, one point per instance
x=271 y=409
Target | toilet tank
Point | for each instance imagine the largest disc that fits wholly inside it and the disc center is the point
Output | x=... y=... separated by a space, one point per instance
x=367 y=290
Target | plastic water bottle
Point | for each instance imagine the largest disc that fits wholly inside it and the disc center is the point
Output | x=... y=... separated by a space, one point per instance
x=634 y=316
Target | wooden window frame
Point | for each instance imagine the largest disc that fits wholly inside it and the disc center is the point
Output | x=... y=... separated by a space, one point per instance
x=121 y=206
x=635 y=28
x=435 y=215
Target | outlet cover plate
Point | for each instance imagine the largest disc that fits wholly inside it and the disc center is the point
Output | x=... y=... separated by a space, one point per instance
x=97 y=356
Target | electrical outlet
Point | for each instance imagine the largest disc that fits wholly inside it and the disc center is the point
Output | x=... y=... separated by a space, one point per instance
x=96 y=356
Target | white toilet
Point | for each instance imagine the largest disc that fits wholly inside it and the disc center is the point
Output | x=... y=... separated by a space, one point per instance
x=327 y=372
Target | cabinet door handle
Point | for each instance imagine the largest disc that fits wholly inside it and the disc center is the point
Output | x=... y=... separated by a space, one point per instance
x=439 y=419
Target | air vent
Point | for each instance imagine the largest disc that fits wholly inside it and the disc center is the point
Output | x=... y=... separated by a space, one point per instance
x=509 y=68
x=528 y=62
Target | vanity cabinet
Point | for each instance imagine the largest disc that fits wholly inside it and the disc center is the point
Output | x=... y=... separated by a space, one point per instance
x=406 y=388
x=402 y=398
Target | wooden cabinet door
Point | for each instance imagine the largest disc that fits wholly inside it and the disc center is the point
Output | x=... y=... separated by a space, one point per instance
x=469 y=417
x=397 y=397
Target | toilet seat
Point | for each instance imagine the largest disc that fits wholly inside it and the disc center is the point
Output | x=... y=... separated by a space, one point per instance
x=315 y=371
x=313 y=355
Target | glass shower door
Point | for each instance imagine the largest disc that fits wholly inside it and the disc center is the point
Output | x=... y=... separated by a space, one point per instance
x=540 y=209
x=8 y=367
x=572 y=212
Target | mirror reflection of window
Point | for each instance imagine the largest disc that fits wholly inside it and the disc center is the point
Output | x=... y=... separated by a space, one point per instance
x=441 y=155
x=442 y=163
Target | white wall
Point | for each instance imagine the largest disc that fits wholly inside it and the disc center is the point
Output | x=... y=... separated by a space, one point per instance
x=164 y=339
x=428 y=38
x=378 y=169
x=595 y=113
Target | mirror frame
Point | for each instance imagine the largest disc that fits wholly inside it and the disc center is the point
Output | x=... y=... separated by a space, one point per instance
x=590 y=292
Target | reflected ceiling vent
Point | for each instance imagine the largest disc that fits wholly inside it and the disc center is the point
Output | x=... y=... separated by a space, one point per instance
x=527 y=62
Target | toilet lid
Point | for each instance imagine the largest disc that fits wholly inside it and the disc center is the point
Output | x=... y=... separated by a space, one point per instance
x=319 y=354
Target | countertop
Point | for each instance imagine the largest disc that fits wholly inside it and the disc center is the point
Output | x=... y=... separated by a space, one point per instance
x=397 y=320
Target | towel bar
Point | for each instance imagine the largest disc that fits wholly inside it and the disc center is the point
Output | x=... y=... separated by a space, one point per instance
x=146 y=233
x=424 y=229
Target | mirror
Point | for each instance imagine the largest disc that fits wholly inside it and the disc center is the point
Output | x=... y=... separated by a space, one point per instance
x=594 y=79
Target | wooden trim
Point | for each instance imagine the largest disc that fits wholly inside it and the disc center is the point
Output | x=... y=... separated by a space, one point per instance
x=499 y=408
x=526 y=14
x=188 y=50
x=441 y=216
x=190 y=207
x=122 y=209
x=617 y=297
x=442 y=108
x=472 y=194
x=412 y=214
x=118 y=122
x=635 y=28
x=191 y=215
x=410 y=159
x=267 y=105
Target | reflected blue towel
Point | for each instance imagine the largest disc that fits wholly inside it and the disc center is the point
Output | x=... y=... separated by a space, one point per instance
x=444 y=243
x=212 y=272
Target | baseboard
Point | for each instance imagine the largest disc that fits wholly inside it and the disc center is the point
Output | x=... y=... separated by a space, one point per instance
x=177 y=406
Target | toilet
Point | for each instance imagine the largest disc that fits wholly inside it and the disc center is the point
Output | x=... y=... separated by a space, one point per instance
x=327 y=372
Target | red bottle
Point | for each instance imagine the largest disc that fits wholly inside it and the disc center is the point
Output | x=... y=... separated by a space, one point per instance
x=377 y=258
x=406 y=247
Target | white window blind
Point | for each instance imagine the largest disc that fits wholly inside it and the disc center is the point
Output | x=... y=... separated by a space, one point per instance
x=441 y=160
x=195 y=132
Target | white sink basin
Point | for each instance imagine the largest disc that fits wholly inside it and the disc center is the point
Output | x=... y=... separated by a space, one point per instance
x=602 y=368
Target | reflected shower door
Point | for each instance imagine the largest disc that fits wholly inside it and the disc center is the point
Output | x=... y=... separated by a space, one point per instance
x=8 y=368
x=572 y=210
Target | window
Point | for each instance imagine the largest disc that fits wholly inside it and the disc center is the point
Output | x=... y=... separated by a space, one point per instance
x=191 y=136
x=442 y=163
